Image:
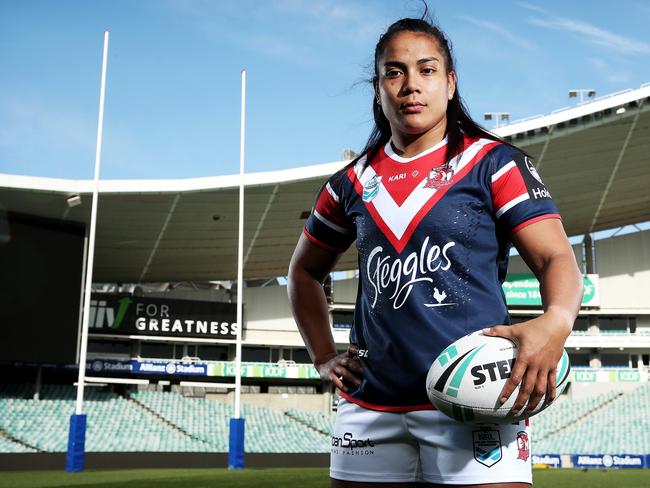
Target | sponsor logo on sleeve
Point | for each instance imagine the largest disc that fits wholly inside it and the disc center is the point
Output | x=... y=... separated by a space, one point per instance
x=534 y=184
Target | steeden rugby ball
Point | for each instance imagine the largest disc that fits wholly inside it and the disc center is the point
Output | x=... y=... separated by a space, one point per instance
x=466 y=379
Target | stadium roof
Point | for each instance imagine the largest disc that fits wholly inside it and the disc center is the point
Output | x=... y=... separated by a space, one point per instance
x=595 y=158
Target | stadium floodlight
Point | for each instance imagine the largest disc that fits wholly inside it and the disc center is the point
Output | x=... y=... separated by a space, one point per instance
x=73 y=201
x=590 y=93
x=497 y=117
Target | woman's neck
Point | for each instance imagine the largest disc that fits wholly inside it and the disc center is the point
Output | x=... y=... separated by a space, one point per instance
x=409 y=145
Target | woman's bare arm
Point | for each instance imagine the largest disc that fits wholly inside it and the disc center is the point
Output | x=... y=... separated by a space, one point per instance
x=540 y=341
x=309 y=267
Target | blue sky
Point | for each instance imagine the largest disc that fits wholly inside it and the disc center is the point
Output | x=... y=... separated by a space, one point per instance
x=173 y=90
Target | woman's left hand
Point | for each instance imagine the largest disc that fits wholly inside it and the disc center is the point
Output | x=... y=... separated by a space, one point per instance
x=540 y=343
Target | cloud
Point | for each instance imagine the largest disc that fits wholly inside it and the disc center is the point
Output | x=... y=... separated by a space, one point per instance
x=532 y=7
x=334 y=19
x=41 y=137
x=501 y=31
x=608 y=72
x=26 y=120
x=594 y=35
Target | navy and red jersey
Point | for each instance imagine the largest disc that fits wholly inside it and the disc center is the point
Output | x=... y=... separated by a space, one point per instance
x=433 y=239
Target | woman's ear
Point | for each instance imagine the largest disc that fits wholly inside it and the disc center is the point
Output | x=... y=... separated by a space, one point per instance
x=451 y=84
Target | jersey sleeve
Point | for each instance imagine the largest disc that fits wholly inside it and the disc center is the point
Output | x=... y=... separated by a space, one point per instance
x=328 y=225
x=519 y=196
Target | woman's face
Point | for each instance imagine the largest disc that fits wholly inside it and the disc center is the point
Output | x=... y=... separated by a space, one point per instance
x=413 y=86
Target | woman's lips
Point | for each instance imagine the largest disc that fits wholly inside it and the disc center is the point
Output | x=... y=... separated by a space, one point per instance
x=412 y=108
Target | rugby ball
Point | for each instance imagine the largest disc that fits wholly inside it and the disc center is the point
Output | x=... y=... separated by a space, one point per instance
x=465 y=380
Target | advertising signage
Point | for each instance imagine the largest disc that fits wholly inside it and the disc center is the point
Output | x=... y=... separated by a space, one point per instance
x=130 y=315
x=608 y=461
x=523 y=290
x=202 y=368
x=551 y=460
x=173 y=368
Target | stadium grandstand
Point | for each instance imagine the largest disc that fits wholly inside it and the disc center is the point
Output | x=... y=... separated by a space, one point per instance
x=162 y=336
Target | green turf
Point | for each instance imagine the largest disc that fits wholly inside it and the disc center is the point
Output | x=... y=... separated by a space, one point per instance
x=280 y=478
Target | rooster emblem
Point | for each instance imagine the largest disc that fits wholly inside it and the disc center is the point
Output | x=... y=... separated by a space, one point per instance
x=439 y=297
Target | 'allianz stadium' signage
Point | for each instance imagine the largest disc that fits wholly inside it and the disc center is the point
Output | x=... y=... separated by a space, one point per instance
x=608 y=461
x=552 y=460
x=129 y=315
x=143 y=367
x=101 y=366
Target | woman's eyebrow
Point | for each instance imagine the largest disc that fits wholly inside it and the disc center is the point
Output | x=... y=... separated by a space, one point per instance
x=400 y=64
x=427 y=60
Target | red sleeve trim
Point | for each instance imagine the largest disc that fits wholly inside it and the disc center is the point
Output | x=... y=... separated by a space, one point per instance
x=320 y=244
x=533 y=220
x=385 y=408
x=508 y=187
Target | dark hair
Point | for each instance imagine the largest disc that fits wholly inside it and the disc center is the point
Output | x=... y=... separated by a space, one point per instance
x=459 y=122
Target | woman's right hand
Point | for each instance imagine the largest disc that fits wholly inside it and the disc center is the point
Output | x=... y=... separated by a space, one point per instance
x=342 y=368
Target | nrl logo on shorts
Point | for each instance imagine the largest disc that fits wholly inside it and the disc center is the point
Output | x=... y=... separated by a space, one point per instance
x=439 y=177
x=371 y=188
x=487 y=447
x=522 y=446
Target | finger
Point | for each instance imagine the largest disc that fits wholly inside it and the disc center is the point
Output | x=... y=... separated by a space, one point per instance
x=525 y=390
x=499 y=331
x=338 y=381
x=552 y=386
x=346 y=375
x=539 y=390
x=518 y=370
x=353 y=364
x=353 y=351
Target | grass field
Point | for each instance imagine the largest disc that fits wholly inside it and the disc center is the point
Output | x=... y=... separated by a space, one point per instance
x=280 y=478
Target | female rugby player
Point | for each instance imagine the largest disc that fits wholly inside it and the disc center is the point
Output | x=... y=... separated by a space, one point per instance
x=434 y=204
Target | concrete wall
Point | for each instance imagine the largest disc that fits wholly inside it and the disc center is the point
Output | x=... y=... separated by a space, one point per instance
x=268 y=318
x=623 y=263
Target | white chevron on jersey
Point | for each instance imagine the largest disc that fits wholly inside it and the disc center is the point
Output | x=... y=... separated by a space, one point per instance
x=397 y=217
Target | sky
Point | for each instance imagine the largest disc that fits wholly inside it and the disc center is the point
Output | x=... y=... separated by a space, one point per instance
x=173 y=82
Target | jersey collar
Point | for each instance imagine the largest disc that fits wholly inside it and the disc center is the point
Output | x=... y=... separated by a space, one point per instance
x=388 y=149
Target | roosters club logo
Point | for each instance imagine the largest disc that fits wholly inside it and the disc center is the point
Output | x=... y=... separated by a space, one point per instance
x=439 y=177
x=522 y=446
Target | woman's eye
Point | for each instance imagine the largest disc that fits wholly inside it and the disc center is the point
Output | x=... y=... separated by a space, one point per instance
x=428 y=71
x=393 y=73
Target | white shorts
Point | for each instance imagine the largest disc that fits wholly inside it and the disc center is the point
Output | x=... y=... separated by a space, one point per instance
x=425 y=446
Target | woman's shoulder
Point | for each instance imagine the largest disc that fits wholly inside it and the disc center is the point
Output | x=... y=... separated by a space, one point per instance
x=498 y=150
